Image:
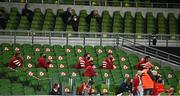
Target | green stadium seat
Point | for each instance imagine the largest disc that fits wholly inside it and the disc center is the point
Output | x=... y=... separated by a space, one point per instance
x=150 y=23
x=17 y=89
x=117 y=22
x=41 y=81
x=29 y=91
x=161 y=24
x=5 y=81
x=139 y=23
x=127 y=72
x=121 y=53
x=105 y=74
x=41 y=93
x=128 y=22
x=133 y=59
x=24 y=23
x=172 y=24
x=114 y=74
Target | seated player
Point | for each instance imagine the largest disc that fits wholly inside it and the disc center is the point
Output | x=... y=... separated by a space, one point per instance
x=89 y=71
x=108 y=62
x=144 y=63
x=84 y=61
x=42 y=63
x=16 y=61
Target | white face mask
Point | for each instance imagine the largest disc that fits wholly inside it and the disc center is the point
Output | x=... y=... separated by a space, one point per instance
x=75 y=19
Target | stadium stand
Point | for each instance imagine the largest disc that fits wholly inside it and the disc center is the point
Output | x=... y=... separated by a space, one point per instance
x=127 y=24
x=19 y=83
x=31 y=80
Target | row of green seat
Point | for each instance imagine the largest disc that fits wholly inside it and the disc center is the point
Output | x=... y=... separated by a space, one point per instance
x=126 y=3
x=116 y=24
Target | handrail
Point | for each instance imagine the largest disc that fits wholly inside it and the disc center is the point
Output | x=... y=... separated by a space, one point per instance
x=121 y=40
x=98 y=33
x=111 y=3
x=169 y=58
x=152 y=48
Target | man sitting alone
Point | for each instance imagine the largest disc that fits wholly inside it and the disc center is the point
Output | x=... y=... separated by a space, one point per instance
x=16 y=61
x=108 y=62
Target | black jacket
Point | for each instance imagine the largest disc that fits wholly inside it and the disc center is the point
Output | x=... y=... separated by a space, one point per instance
x=124 y=88
x=55 y=93
x=66 y=17
x=88 y=18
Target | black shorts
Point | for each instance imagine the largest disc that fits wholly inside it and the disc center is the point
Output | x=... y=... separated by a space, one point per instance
x=148 y=91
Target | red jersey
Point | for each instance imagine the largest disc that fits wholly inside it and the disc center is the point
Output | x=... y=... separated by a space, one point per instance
x=143 y=62
x=89 y=72
x=108 y=64
x=136 y=84
x=42 y=63
x=83 y=63
x=15 y=62
x=84 y=87
x=158 y=88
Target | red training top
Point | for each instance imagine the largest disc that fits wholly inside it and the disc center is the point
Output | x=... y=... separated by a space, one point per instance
x=136 y=83
x=108 y=64
x=15 y=62
x=147 y=64
x=83 y=63
x=89 y=72
x=42 y=63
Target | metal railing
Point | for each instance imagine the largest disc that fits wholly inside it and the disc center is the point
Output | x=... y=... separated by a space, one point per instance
x=103 y=3
x=84 y=38
x=171 y=58
x=166 y=40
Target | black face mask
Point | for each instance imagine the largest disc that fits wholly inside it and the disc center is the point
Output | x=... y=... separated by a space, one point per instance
x=88 y=58
x=44 y=56
x=110 y=58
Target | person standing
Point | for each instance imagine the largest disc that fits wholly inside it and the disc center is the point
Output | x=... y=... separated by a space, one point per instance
x=93 y=14
x=137 y=84
x=154 y=39
x=27 y=12
x=3 y=19
x=148 y=83
x=74 y=23
x=67 y=16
